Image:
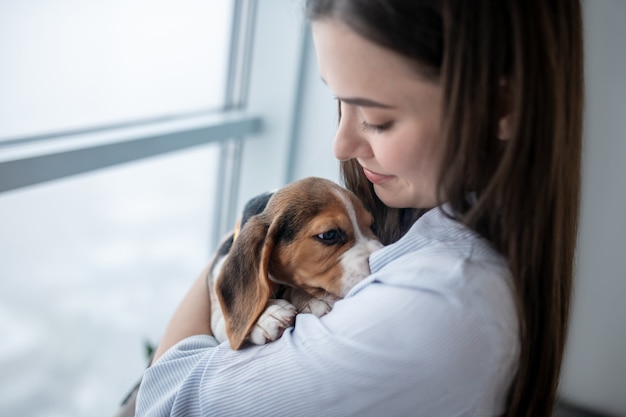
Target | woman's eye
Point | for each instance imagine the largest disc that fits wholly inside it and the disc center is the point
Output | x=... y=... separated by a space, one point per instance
x=331 y=237
x=376 y=128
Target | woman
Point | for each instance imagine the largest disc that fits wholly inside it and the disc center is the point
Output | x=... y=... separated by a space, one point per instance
x=460 y=128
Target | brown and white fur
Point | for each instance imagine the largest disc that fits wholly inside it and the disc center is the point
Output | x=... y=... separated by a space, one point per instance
x=299 y=249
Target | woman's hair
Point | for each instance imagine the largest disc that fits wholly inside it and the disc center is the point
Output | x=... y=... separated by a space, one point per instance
x=492 y=58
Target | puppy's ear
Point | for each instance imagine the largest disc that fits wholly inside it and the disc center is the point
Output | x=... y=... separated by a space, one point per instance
x=243 y=286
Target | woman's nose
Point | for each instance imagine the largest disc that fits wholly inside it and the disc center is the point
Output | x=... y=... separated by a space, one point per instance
x=349 y=143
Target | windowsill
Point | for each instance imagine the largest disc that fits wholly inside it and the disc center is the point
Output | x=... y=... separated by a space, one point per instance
x=33 y=162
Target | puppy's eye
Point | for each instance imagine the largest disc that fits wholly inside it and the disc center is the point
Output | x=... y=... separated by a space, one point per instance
x=331 y=237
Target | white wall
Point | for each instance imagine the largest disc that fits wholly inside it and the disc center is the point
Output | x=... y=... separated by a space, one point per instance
x=594 y=373
x=313 y=154
x=273 y=94
x=298 y=110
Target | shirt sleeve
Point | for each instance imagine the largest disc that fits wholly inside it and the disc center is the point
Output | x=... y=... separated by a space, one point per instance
x=386 y=350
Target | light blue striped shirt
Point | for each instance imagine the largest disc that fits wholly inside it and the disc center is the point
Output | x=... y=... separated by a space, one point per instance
x=432 y=332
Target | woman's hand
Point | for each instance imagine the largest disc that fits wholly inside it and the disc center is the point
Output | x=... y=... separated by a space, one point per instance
x=192 y=317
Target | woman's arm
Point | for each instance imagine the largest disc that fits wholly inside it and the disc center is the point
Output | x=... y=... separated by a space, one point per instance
x=385 y=351
x=192 y=317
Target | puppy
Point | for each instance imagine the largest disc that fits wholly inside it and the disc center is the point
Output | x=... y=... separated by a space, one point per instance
x=299 y=249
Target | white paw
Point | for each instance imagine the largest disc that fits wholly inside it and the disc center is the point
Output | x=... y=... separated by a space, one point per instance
x=278 y=315
x=317 y=306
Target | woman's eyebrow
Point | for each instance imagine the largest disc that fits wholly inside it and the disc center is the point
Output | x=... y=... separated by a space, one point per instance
x=361 y=102
x=364 y=102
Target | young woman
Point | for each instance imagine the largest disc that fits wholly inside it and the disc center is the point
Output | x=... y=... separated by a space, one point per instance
x=460 y=128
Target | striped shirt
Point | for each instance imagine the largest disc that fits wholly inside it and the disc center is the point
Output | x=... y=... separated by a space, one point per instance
x=432 y=332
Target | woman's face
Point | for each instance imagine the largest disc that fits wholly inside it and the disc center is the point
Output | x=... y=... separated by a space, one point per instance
x=390 y=115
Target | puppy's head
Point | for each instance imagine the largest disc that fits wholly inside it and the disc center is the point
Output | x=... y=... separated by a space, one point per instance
x=313 y=235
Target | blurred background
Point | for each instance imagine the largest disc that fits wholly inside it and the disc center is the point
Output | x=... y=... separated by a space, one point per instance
x=131 y=133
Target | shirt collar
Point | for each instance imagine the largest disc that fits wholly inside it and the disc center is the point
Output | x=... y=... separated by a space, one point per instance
x=434 y=225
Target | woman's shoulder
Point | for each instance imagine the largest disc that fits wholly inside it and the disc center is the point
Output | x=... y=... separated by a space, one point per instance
x=441 y=255
x=436 y=238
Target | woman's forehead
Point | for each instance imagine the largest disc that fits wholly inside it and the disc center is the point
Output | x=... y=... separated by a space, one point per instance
x=363 y=73
x=351 y=64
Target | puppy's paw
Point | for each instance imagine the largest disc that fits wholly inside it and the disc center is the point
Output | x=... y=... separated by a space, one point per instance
x=278 y=315
x=317 y=306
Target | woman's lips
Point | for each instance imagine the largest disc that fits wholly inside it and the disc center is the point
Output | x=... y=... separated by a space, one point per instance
x=375 y=178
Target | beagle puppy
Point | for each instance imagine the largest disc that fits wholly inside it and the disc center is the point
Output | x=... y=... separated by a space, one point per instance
x=299 y=249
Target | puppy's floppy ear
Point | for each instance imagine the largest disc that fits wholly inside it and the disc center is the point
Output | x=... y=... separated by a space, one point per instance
x=243 y=286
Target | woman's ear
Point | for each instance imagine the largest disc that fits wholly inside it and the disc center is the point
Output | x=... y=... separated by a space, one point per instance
x=507 y=99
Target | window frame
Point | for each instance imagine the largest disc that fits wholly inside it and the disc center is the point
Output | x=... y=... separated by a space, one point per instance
x=262 y=102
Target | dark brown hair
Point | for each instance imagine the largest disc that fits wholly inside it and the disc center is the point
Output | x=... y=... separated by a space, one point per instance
x=494 y=57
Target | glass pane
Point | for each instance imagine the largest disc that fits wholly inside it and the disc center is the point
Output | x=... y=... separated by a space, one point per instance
x=92 y=268
x=68 y=64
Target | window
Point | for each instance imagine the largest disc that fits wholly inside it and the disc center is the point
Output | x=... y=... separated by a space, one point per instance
x=99 y=242
x=92 y=268
x=94 y=264
x=69 y=64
